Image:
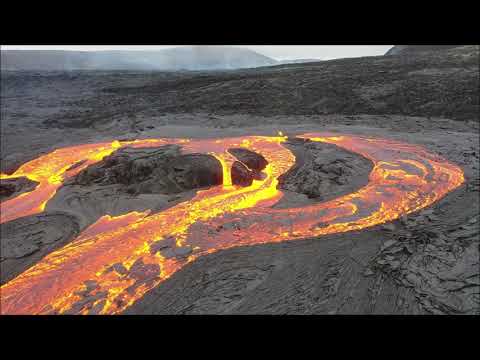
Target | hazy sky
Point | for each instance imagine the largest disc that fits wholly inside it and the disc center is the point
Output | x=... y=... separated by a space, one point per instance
x=278 y=52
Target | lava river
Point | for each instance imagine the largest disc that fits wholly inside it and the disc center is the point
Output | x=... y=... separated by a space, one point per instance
x=116 y=260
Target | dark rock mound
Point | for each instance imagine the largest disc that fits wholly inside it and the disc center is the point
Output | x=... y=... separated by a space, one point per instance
x=10 y=188
x=153 y=170
x=241 y=175
x=249 y=158
x=324 y=171
x=248 y=167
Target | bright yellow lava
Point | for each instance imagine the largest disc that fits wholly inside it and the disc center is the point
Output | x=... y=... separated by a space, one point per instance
x=116 y=260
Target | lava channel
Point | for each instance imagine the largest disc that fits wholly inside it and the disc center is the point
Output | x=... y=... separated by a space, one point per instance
x=115 y=261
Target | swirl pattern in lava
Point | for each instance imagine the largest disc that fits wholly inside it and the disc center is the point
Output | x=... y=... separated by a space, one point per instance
x=115 y=261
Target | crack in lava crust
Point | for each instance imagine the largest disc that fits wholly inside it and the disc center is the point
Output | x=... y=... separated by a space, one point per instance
x=116 y=260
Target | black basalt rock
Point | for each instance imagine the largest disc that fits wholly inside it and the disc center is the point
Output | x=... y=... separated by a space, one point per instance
x=249 y=158
x=241 y=175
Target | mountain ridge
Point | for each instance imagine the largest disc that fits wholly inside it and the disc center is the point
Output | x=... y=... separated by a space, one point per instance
x=179 y=58
x=414 y=49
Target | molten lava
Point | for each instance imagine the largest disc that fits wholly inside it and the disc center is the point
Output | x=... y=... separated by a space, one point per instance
x=115 y=261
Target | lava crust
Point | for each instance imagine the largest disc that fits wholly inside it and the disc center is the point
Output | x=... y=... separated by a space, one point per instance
x=115 y=261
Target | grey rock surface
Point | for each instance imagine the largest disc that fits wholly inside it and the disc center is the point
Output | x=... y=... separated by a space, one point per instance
x=317 y=276
x=27 y=240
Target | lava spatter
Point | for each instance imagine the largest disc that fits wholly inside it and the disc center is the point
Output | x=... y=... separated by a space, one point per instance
x=116 y=260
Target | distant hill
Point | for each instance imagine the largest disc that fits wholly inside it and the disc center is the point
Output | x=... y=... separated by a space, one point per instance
x=180 y=58
x=412 y=49
x=213 y=57
x=297 y=61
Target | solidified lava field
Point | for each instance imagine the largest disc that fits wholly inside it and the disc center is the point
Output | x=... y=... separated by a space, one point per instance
x=200 y=211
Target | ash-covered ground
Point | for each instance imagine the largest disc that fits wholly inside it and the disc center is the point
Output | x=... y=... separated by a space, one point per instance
x=426 y=262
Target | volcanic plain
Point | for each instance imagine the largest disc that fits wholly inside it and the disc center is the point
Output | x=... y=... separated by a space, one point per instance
x=425 y=262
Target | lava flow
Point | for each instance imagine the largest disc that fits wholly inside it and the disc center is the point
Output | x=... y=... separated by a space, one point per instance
x=116 y=260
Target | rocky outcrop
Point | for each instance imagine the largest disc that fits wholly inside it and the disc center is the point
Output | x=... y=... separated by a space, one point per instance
x=10 y=188
x=248 y=168
x=324 y=171
x=252 y=160
x=153 y=170
x=241 y=175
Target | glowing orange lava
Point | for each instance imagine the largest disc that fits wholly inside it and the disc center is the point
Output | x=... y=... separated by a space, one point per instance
x=117 y=259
